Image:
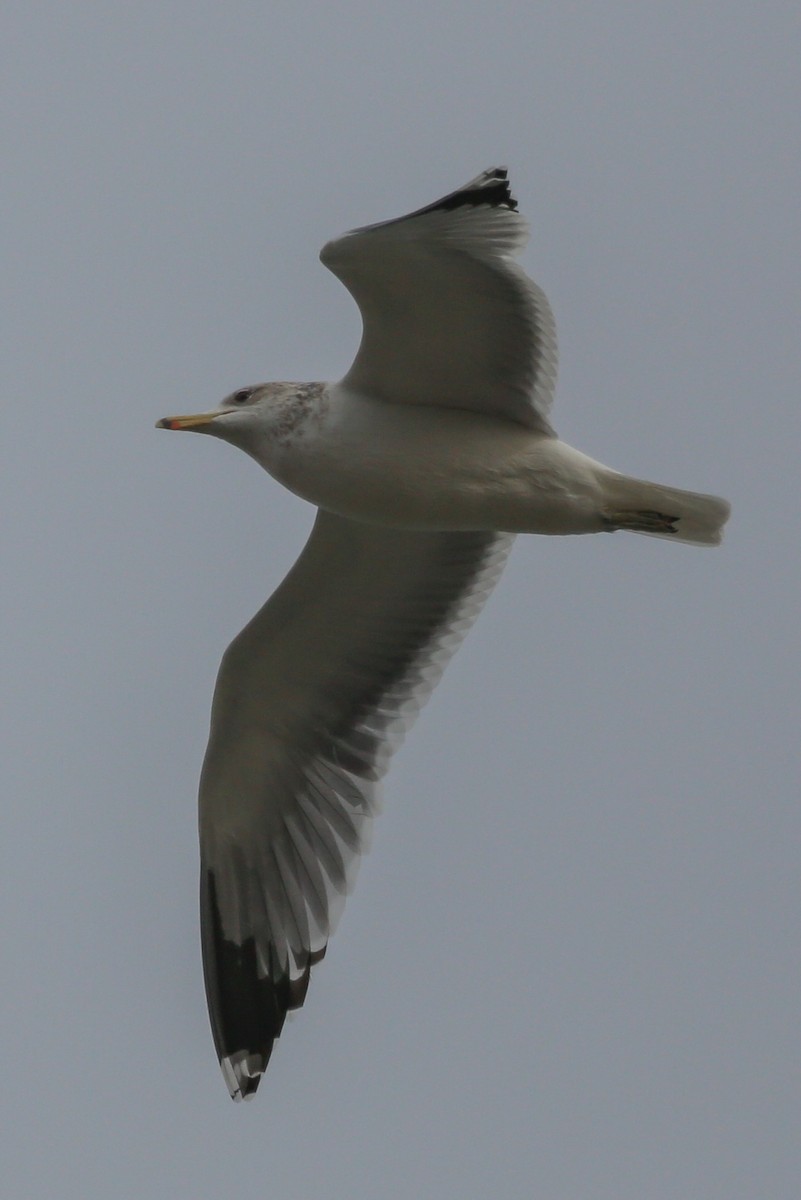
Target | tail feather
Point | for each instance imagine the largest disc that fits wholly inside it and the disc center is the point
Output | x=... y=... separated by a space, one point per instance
x=687 y=516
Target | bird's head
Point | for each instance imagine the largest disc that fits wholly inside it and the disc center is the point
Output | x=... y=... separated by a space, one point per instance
x=258 y=418
x=242 y=410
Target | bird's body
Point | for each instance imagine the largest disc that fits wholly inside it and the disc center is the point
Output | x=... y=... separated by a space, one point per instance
x=425 y=468
x=436 y=468
x=433 y=450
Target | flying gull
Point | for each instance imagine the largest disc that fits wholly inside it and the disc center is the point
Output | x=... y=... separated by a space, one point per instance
x=424 y=461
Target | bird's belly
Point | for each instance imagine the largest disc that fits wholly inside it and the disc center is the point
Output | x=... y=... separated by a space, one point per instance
x=446 y=474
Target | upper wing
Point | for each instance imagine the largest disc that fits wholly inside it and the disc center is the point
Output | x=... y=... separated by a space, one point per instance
x=312 y=698
x=448 y=317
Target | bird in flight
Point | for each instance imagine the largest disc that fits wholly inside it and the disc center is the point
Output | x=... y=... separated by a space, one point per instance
x=424 y=461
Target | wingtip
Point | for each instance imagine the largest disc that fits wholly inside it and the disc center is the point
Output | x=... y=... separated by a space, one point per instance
x=242 y=1073
x=491 y=189
x=498 y=186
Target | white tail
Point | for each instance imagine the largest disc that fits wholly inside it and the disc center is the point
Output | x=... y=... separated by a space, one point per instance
x=637 y=505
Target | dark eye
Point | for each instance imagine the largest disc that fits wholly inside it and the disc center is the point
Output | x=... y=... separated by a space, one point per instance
x=242 y=396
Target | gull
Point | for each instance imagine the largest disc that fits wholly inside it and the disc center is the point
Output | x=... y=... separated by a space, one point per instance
x=424 y=461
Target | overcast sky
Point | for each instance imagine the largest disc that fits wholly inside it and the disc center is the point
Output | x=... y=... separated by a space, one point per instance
x=570 y=967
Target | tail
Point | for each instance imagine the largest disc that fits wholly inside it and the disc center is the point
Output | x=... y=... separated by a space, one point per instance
x=658 y=511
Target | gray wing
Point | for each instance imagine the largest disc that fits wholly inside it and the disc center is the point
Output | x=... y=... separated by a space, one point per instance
x=448 y=318
x=312 y=698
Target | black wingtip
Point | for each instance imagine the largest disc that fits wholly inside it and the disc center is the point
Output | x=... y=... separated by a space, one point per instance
x=247 y=1008
x=490 y=189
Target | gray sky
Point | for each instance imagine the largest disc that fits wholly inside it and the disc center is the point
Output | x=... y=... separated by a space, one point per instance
x=570 y=965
